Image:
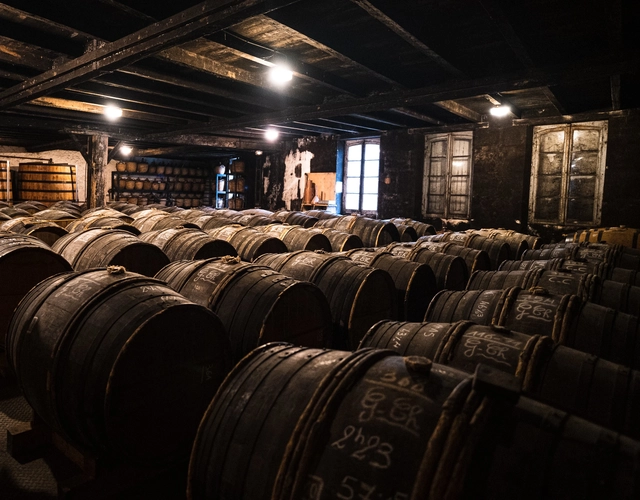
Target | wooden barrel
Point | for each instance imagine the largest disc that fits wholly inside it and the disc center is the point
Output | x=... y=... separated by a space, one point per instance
x=568 y=320
x=4 y=188
x=46 y=182
x=60 y=217
x=549 y=253
x=13 y=212
x=586 y=286
x=415 y=283
x=517 y=242
x=421 y=228
x=341 y=241
x=625 y=276
x=622 y=235
x=119 y=358
x=46 y=231
x=102 y=221
x=24 y=262
x=476 y=260
x=256 y=304
x=374 y=233
x=407 y=233
x=188 y=244
x=298 y=238
x=358 y=296
x=497 y=249
x=248 y=242
x=450 y=271
x=253 y=220
x=548 y=372
x=601 y=269
x=110 y=247
x=422 y=430
x=297 y=218
x=209 y=222
x=29 y=207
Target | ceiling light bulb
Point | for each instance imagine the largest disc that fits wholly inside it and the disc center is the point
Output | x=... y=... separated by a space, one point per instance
x=126 y=150
x=112 y=112
x=500 y=111
x=280 y=74
x=271 y=134
x=258 y=152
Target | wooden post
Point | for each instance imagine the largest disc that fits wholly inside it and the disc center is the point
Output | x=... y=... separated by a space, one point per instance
x=96 y=168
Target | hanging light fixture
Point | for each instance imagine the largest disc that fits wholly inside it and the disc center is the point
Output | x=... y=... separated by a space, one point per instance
x=112 y=112
x=126 y=150
x=271 y=134
x=280 y=74
x=500 y=111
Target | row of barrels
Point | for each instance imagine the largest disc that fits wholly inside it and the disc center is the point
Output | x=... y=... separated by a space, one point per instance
x=371 y=420
x=133 y=167
x=440 y=422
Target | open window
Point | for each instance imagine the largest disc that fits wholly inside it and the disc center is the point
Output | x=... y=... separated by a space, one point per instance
x=362 y=168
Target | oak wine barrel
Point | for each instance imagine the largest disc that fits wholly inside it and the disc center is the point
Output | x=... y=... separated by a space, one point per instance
x=375 y=424
x=121 y=365
x=255 y=303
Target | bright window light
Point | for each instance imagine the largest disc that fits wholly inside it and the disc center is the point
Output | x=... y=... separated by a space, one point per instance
x=280 y=74
x=500 y=111
x=271 y=134
x=126 y=150
x=112 y=112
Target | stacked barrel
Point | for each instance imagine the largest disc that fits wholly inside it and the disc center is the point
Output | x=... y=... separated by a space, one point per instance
x=373 y=358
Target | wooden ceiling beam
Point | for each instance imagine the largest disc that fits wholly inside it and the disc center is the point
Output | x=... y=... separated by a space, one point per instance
x=586 y=71
x=190 y=59
x=18 y=16
x=23 y=54
x=23 y=18
x=417 y=116
x=248 y=49
x=208 y=16
x=408 y=37
x=351 y=62
x=357 y=126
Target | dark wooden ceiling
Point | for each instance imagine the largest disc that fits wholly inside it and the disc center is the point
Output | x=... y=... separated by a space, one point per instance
x=192 y=77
